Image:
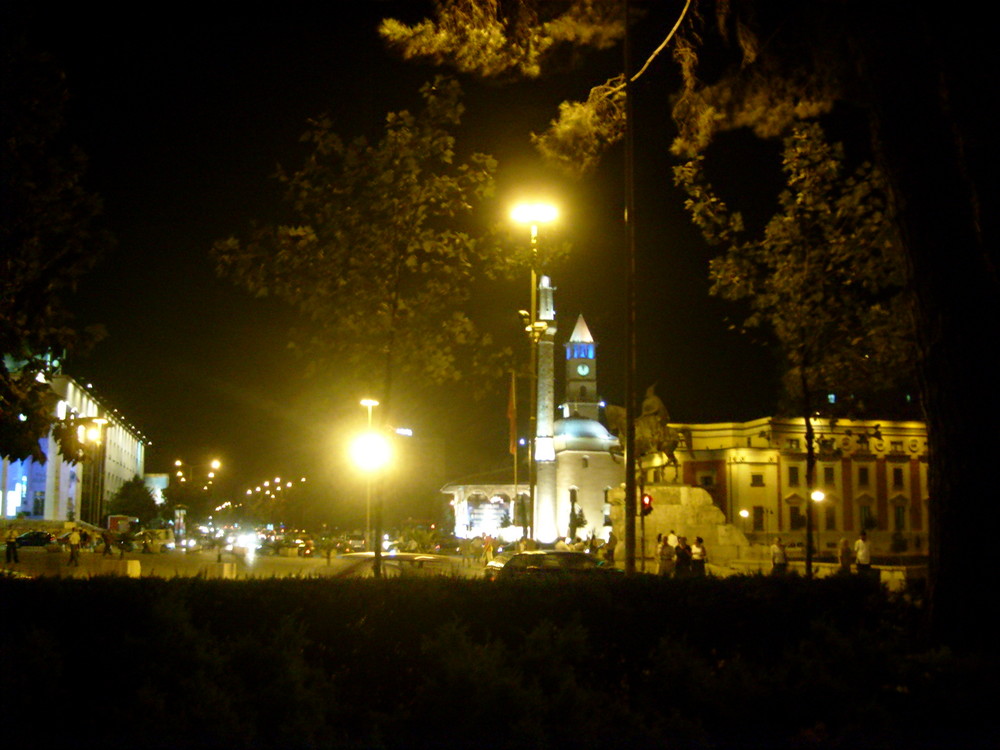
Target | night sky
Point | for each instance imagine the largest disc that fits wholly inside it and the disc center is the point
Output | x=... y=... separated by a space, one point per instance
x=184 y=116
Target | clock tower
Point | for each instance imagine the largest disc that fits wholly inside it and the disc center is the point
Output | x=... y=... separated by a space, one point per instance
x=581 y=374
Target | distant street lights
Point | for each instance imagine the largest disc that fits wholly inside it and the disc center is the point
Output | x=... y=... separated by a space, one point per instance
x=533 y=214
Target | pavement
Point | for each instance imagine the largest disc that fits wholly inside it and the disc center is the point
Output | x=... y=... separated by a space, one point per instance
x=37 y=562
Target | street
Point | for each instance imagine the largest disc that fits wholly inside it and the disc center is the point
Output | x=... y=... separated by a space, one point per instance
x=40 y=562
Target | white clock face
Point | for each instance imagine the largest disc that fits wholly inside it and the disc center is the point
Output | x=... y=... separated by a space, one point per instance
x=583 y=370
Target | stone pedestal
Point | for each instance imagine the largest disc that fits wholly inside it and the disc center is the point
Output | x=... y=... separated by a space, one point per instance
x=119 y=567
x=219 y=570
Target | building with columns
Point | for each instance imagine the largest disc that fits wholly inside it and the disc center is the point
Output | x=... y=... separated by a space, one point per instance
x=872 y=473
x=114 y=452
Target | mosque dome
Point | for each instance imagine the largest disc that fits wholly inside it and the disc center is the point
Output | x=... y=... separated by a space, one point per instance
x=579 y=434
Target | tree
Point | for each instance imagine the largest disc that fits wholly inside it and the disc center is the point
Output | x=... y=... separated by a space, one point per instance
x=134 y=499
x=825 y=277
x=375 y=254
x=922 y=75
x=48 y=240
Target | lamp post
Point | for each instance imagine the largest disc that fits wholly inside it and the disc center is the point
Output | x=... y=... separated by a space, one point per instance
x=90 y=433
x=183 y=471
x=816 y=496
x=534 y=214
x=744 y=515
x=372 y=452
x=369 y=404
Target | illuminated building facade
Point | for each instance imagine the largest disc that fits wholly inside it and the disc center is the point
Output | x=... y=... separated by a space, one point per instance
x=114 y=453
x=873 y=476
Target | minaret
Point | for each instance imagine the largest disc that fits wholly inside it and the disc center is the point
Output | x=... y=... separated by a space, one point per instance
x=581 y=374
x=545 y=525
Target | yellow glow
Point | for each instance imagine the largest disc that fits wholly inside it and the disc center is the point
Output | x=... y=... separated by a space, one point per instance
x=534 y=213
x=818 y=496
x=369 y=402
x=371 y=451
x=745 y=513
x=216 y=464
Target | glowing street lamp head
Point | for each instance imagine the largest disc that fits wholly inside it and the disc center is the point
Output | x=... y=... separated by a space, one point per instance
x=534 y=213
x=818 y=496
x=369 y=402
x=371 y=451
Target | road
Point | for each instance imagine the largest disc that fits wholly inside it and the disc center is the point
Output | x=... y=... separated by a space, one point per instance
x=40 y=562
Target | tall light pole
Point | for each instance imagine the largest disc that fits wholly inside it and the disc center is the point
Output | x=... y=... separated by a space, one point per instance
x=535 y=214
x=369 y=404
x=372 y=453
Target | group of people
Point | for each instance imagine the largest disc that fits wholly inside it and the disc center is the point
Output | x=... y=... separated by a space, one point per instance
x=860 y=554
x=679 y=559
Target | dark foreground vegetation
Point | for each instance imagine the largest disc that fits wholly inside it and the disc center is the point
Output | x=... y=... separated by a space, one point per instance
x=734 y=663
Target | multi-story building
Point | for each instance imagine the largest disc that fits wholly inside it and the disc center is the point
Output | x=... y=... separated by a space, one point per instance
x=113 y=453
x=872 y=475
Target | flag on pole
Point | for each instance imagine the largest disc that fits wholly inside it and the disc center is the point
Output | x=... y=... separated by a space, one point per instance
x=512 y=413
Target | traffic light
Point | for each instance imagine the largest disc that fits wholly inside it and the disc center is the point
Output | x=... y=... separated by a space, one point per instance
x=647 y=504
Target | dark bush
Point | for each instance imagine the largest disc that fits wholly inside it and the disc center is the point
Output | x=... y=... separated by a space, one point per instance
x=420 y=663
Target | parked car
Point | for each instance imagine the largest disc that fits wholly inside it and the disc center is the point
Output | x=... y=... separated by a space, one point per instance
x=545 y=564
x=35 y=539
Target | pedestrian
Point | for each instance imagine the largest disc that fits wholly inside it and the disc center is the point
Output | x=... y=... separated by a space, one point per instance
x=844 y=555
x=74 y=547
x=487 y=549
x=699 y=556
x=609 y=548
x=863 y=554
x=109 y=542
x=12 y=546
x=666 y=556
x=672 y=539
x=779 y=558
x=682 y=558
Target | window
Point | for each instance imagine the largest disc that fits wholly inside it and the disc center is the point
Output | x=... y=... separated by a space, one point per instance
x=831 y=517
x=586 y=461
x=793 y=476
x=899 y=518
x=897 y=478
x=706 y=480
x=867 y=517
x=792 y=444
x=758 y=518
x=756 y=480
x=797 y=519
x=863 y=476
x=828 y=476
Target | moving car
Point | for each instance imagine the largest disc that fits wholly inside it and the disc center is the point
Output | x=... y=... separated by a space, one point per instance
x=545 y=564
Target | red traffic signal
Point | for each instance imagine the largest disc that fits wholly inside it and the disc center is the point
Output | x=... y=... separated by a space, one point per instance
x=647 y=504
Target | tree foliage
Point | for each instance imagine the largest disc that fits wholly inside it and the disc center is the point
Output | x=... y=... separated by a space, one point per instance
x=48 y=240
x=134 y=499
x=825 y=275
x=377 y=254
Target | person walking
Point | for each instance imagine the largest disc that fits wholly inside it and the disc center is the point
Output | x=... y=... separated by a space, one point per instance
x=74 y=547
x=682 y=558
x=779 y=558
x=11 y=540
x=109 y=542
x=844 y=555
x=666 y=555
x=699 y=556
x=609 y=548
x=863 y=554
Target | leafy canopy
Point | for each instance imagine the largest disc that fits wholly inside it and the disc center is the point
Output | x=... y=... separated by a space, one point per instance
x=825 y=275
x=48 y=240
x=377 y=254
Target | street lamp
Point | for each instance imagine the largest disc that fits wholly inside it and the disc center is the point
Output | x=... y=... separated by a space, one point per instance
x=90 y=434
x=817 y=496
x=372 y=452
x=534 y=214
x=369 y=404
